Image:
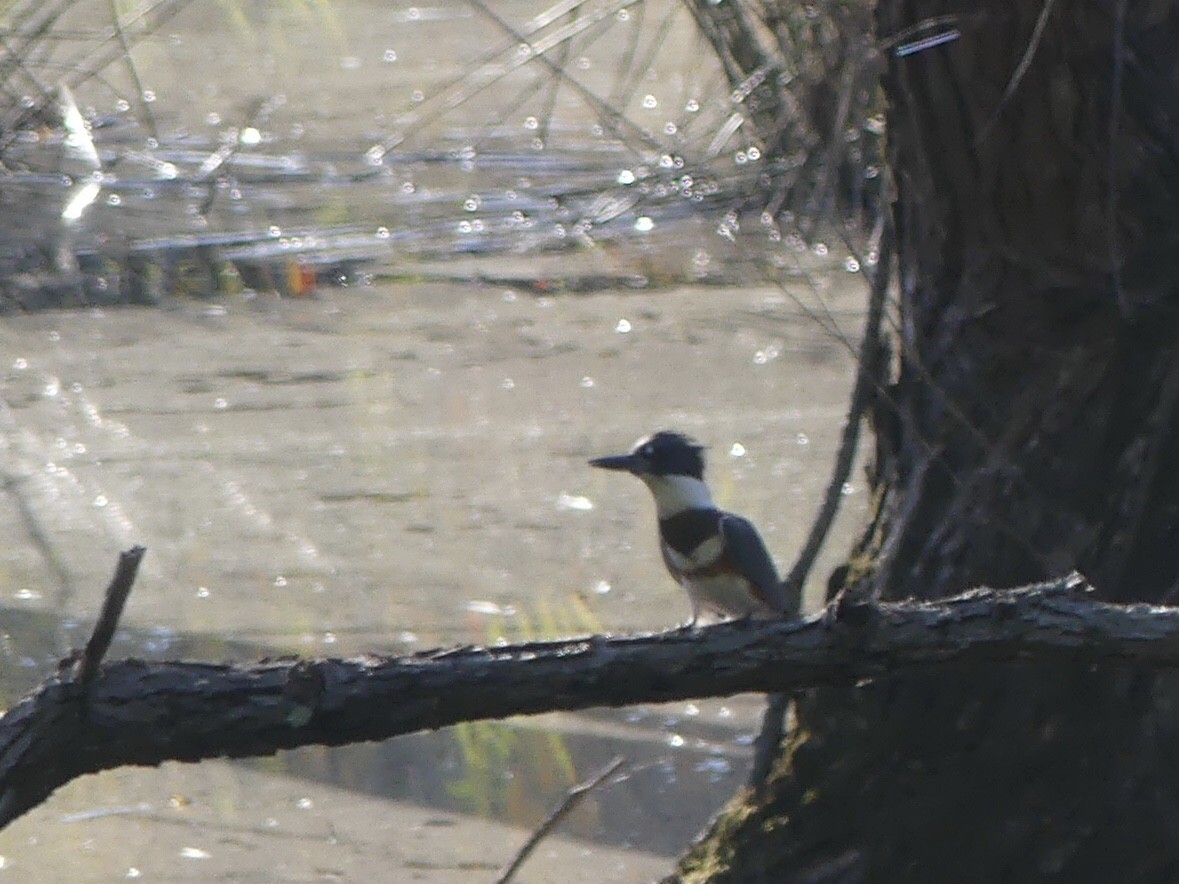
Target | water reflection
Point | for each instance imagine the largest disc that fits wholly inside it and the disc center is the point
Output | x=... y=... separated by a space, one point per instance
x=400 y=463
x=338 y=144
x=370 y=486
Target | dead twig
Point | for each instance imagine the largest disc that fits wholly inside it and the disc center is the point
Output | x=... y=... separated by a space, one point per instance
x=868 y=381
x=112 y=609
x=572 y=798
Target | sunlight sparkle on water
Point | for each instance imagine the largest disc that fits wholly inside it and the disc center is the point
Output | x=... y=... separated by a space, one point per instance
x=491 y=609
x=574 y=502
x=716 y=765
x=761 y=357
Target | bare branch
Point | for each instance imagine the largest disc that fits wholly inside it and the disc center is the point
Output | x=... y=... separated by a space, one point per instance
x=868 y=383
x=143 y=713
x=572 y=798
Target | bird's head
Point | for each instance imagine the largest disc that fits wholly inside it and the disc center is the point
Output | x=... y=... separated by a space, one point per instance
x=664 y=453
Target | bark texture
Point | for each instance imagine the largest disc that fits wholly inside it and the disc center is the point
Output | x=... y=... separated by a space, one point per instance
x=1030 y=429
x=90 y=718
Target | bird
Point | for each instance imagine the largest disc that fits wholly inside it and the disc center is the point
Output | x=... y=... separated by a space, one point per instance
x=716 y=556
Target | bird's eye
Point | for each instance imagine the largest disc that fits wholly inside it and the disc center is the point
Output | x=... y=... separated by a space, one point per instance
x=647 y=450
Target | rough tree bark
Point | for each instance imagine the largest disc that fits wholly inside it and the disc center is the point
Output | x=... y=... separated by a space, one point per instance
x=1031 y=429
x=92 y=716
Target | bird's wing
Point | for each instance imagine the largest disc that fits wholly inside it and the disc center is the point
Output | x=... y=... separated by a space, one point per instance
x=749 y=553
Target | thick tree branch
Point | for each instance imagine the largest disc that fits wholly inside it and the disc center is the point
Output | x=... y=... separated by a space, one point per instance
x=140 y=713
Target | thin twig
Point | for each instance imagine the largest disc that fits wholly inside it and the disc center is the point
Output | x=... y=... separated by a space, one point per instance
x=1111 y=166
x=112 y=610
x=769 y=738
x=868 y=381
x=866 y=385
x=901 y=524
x=148 y=17
x=145 y=114
x=1029 y=53
x=18 y=485
x=572 y=798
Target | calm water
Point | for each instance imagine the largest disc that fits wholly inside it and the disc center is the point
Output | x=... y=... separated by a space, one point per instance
x=399 y=465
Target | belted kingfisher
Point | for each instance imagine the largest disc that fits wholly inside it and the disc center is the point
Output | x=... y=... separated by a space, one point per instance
x=718 y=557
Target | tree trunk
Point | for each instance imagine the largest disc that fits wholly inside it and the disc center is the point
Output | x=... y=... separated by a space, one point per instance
x=1031 y=429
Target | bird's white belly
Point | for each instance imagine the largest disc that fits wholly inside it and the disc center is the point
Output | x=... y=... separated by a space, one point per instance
x=725 y=595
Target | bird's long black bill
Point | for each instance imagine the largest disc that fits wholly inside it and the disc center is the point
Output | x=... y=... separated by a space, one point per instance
x=626 y=462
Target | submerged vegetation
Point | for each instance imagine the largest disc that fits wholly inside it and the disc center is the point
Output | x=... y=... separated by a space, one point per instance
x=326 y=148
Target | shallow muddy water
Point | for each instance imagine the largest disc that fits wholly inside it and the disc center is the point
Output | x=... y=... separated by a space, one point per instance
x=380 y=470
x=402 y=465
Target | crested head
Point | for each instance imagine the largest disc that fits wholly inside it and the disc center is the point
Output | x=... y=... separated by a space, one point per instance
x=668 y=453
x=672 y=466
